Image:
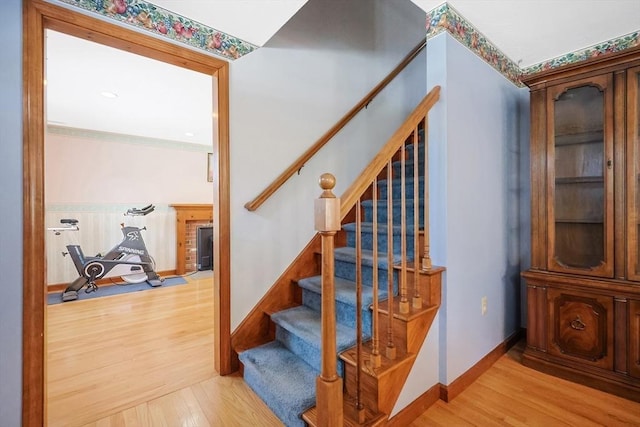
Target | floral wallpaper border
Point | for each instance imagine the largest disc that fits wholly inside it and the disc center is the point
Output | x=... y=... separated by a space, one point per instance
x=162 y=22
x=616 y=45
x=446 y=18
x=159 y=21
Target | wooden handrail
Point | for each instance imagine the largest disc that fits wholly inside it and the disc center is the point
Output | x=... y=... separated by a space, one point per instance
x=349 y=198
x=311 y=151
x=329 y=213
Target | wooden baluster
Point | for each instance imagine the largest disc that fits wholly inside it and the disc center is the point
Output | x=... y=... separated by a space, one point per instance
x=358 y=406
x=426 y=257
x=376 y=359
x=404 y=301
x=417 y=299
x=328 y=383
x=391 y=348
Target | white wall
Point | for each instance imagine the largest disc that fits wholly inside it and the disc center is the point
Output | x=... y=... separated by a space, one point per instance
x=479 y=210
x=95 y=177
x=11 y=208
x=283 y=97
x=104 y=168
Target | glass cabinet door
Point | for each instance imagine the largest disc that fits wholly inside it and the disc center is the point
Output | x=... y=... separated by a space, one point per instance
x=580 y=177
x=633 y=173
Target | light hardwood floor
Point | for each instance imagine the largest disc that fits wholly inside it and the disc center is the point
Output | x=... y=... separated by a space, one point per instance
x=509 y=394
x=146 y=359
x=143 y=359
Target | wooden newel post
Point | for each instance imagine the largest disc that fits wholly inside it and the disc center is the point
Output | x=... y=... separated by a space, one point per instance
x=328 y=383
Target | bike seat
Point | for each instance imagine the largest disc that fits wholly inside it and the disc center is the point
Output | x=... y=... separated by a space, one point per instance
x=69 y=221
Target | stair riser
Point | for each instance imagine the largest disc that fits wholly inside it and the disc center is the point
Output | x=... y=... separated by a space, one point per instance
x=280 y=405
x=345 y=313
x=253 y=381
x=308 y=352
x=347 y=270
x=367 y=242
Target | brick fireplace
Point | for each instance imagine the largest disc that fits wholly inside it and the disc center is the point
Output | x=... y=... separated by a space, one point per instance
x=190 y=243
x=188 y=219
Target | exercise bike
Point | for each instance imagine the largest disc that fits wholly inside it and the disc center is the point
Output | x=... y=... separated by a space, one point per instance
x=129 y=259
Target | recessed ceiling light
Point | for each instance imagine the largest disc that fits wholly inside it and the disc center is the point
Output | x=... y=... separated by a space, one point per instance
x=189 y=133
x=108 y=94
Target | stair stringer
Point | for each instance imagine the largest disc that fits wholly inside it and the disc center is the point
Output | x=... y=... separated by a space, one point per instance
x=382 y=386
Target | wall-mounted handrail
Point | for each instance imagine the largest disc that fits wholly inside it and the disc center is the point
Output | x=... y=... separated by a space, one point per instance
x=311 y=151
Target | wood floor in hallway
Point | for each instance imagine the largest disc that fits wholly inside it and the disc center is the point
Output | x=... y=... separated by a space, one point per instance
x=145 y=359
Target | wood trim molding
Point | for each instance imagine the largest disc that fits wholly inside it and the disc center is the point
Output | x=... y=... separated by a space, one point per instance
x=440 y=391
x=449 y=392
x=412 y=411
x=33 y=269
x=39 y=15
x=255 y=328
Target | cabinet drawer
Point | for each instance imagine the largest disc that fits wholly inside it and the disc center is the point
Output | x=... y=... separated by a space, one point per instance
x=581 y=327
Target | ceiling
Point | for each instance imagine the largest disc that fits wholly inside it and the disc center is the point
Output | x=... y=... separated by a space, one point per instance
x=526 y=31
x=144 y=105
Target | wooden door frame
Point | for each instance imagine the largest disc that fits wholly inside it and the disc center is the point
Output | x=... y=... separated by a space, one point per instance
x=37 y=17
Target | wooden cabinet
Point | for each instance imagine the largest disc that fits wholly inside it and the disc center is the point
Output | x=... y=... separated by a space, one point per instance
x=581 y=327
x=583 y=298
x=634 y=339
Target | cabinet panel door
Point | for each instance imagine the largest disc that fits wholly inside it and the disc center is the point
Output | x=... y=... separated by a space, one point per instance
x=633 y=173
x=634 y=339
x=580 y=177
x=581 y=327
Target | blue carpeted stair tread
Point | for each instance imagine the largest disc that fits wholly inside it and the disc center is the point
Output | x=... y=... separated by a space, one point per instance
x=397 y=203
x=367 y=227
x=304 y=323
x=408 y=182
x=283 y=372
x=269 y=368
x=345 y=290
x=348 y=254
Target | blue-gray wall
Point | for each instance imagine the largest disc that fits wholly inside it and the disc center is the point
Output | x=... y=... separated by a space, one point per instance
x=477 y=133
x=11 y=211
x=286 y=95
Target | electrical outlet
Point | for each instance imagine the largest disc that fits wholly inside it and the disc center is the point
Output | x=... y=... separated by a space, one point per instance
x=484 y=305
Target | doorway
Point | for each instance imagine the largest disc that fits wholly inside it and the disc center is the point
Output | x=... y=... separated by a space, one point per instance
x=40 y=16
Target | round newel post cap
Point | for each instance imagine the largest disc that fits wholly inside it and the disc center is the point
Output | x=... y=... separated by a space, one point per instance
x=327 y=181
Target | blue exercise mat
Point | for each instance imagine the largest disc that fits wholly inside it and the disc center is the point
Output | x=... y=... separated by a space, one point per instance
x=116 y=289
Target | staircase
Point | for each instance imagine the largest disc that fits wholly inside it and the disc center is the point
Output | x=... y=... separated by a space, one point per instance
x=283 y=372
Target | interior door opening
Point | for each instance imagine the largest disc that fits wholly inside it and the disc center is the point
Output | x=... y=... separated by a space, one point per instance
x=40 y=16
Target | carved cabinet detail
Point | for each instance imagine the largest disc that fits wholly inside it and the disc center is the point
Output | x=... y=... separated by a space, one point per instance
x=581 y=327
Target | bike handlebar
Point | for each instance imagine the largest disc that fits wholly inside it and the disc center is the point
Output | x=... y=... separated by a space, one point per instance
x=140 y=212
